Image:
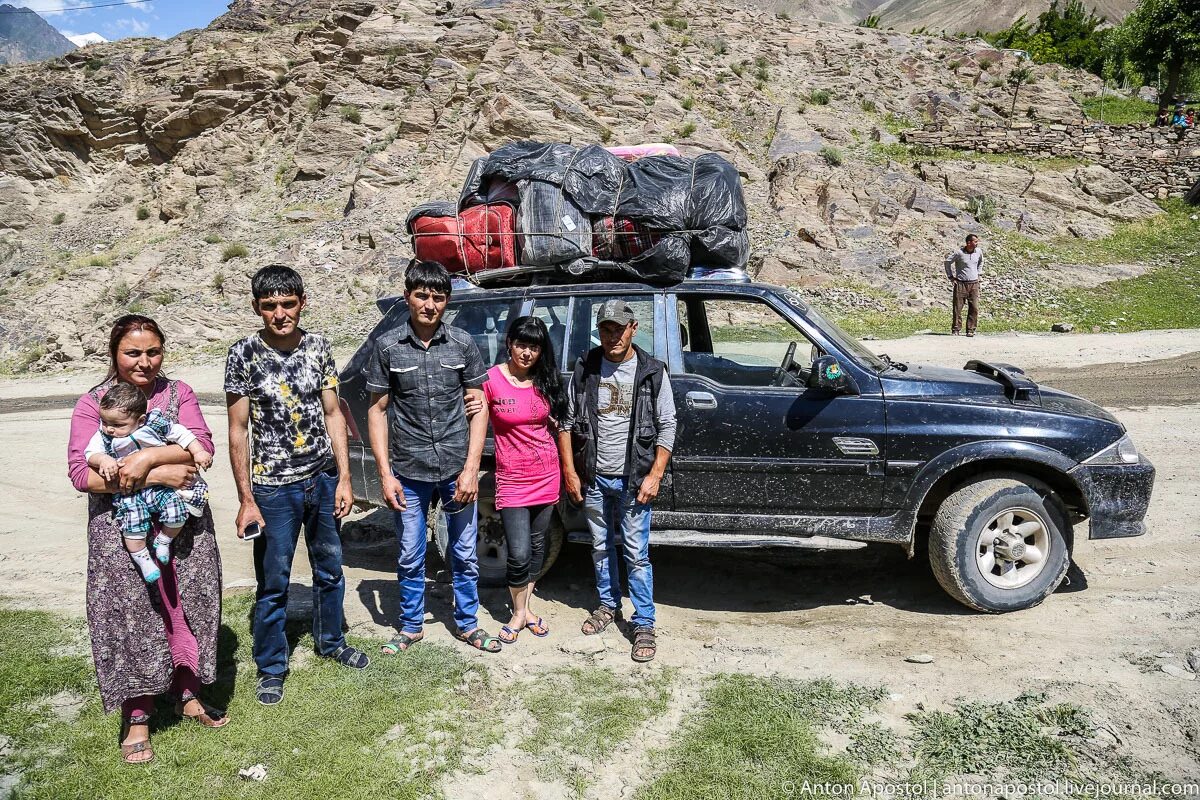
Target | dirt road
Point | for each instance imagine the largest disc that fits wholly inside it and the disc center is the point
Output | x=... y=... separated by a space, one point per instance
x=1131 y=605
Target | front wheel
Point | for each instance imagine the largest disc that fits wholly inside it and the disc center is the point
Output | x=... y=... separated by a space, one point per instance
x=1000 y=544
x=490 y=544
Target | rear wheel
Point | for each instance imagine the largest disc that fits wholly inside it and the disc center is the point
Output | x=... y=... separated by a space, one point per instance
x=490 y=544
x=1000 y=543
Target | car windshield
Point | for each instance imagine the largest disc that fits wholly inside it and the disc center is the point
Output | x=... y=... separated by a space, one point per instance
x=845 y=341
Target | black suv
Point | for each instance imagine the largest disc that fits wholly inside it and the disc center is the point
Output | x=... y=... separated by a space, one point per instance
x=792 y=433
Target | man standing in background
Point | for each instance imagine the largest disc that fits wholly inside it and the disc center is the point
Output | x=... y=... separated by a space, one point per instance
x=964 y=265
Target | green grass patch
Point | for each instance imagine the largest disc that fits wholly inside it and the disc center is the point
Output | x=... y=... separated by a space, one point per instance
x=393 y=730
x=586 y=713
x=758 y=738
x=235 y=250
x=903 y=153
x=753 y=332
x=1022 y=739
x=40 y=656
x=1117 y=110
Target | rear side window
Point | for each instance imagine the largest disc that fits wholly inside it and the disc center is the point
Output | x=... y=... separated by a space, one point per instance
x=487 y=322
x=553 y=311
x=583 y=323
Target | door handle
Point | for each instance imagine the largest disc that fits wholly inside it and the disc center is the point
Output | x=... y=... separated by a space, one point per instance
x=700 y=401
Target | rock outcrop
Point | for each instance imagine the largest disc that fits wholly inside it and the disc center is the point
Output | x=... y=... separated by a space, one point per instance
x=157 y=175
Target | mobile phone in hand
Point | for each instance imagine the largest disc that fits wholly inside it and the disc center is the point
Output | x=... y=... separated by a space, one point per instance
x=253 y=531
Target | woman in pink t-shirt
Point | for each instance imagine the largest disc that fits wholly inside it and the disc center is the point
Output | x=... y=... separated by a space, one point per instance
x=525 y=396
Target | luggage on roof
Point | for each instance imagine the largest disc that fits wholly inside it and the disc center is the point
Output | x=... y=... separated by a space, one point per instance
x=577 y=210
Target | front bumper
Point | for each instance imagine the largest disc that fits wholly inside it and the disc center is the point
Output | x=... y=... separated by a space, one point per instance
x=1117 y=497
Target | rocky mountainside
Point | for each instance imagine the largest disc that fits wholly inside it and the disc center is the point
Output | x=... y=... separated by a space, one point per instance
x=24 y=36
x=950 y=16
x=157 y=176
x=969 y=16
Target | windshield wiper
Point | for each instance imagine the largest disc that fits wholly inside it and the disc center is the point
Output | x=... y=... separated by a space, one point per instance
x=897 y=365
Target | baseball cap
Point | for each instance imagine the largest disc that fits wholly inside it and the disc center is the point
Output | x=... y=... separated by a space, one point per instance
x=615 y=310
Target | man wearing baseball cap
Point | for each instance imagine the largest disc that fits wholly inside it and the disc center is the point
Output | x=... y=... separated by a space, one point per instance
x=615 y=444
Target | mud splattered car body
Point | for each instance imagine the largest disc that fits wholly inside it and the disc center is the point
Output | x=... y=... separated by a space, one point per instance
x=792 y=433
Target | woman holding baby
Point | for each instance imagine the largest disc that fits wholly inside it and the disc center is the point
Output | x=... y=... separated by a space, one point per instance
x=153 y=625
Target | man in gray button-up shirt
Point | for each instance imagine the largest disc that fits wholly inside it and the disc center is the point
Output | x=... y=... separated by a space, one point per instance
x=425 y=447
x=963 y=267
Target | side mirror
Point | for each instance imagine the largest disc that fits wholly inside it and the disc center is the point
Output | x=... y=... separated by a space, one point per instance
x=827 y=374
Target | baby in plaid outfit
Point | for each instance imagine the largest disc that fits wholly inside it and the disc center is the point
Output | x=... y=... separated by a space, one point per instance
x=125 y=428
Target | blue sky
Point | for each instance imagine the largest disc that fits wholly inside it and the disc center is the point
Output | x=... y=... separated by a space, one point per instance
x=161 y=18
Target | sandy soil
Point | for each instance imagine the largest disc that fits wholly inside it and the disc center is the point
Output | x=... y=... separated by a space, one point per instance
x=794 y=613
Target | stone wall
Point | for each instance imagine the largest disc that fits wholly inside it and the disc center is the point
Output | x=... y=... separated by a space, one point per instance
x=1155 y=161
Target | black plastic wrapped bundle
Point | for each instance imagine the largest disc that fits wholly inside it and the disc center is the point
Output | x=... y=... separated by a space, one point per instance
x=591 y=176
x=716 y=194
x=719 y=246
x=656 y=192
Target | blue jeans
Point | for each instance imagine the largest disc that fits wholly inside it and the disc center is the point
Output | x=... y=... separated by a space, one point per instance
x=284 y=508
x=612 y=510
x=410 y=568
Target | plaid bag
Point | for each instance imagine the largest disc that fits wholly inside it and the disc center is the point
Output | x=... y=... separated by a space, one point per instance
x=621 y=239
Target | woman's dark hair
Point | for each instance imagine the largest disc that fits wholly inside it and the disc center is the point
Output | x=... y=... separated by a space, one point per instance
x=546 y=379
x=130 y=323
x=124 y=397
x=427 y=275
x=276 y=280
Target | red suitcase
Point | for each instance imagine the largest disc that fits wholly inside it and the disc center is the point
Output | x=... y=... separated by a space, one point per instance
x=488 y=238
x=479 y=238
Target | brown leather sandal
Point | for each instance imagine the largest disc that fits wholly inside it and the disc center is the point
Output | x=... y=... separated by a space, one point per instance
x=644 y=645
x=598 y=620
x=128 y=751
x=209 y=717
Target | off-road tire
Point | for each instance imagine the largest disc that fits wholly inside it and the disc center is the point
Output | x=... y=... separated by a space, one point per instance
x=955 y=532
x=492 y=572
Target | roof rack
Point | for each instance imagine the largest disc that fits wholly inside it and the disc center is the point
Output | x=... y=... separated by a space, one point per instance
x=528 y=275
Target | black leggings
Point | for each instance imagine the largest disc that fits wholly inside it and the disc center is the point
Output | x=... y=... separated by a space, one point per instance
x=525 y=529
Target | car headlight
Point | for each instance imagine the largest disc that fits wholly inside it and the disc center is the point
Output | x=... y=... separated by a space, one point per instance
x=1119 y=452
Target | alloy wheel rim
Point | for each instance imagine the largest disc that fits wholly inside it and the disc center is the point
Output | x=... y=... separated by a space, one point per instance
x=1012 y=548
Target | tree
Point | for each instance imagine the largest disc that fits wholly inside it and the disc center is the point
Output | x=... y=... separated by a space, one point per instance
x=1066 y=33
x=1074 y=33
x=1015 y=79
x=1160 y=33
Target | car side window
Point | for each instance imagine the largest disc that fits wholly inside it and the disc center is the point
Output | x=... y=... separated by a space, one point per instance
x=553 y=312
x=486 y=321
x=583 y=323
x=738 y=341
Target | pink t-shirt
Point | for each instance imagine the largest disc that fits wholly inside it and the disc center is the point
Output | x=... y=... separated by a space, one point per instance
x=527 y=468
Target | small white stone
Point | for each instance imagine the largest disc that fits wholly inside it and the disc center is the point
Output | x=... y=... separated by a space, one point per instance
x=584 y=645
x=1178 y=672
x=256 y=773
x=919 y=658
